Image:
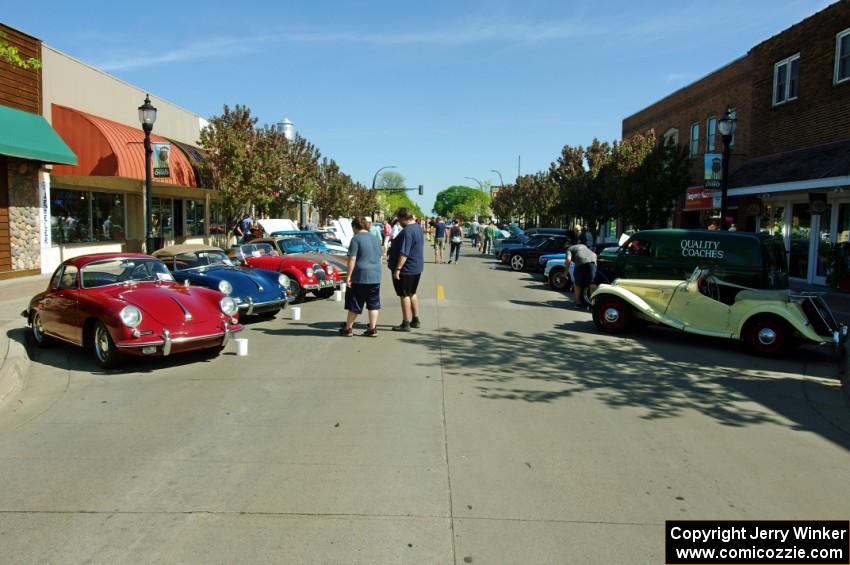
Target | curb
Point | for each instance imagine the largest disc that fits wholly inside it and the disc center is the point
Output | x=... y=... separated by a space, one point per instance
x=15 y=362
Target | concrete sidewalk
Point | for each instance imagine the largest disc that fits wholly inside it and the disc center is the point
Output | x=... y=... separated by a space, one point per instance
x=14 y=297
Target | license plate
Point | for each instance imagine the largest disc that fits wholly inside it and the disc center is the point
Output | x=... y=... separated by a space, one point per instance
x=148 y=350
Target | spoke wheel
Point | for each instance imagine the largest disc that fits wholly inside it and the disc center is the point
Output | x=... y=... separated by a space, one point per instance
x=612 y=315
x=296 y=289
x=558 y=279
x=517 y=263
x=105 y=353
x=768 y=336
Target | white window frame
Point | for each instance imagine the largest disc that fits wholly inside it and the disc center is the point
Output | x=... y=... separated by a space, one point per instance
x=693 y=142
x=838 y=37
x=710 y=139
x=784 y=62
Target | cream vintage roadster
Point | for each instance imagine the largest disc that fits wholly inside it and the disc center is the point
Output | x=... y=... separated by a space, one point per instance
x=769 y=321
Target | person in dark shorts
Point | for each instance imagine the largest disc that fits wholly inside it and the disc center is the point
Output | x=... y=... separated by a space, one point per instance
x=363 y=280
x=407 y=261
x=585 y=269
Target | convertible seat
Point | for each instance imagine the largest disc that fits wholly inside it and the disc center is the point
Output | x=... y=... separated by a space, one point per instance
x=771 y=295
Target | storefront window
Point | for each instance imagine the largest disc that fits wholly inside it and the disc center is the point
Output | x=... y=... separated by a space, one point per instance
x=108 y=217
x=842 y=233
x=217 y=224
x=69 y=216
x=162 y=217
x=194 y=217
x=773 y=220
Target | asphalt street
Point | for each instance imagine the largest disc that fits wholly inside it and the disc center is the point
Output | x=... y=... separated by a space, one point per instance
x=505 y=430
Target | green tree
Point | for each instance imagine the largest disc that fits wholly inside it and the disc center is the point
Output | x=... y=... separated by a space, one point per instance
x=462 y=201
x=390 y=180
x=232 y=160
x=10 y=54
x=390 y=202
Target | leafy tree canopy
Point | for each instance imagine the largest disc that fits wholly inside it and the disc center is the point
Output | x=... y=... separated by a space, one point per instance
x=462 y=201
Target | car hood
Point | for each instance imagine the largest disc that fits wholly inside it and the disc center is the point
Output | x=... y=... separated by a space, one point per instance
x=245 y=282
x=649 y=283
x=169 y=304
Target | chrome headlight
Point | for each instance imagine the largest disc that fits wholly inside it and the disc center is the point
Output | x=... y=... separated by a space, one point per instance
x=228 y=306
x=329 y=268
x=131 y=316
x=309 y=272
x=283 y=280
x=225 y=287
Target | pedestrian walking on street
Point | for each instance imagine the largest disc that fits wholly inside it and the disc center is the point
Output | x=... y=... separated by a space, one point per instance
x=363 y=280
x=481 y=236
x=475 y=226
x=456 y=235
x=584 y=273
x=490 y=237
x=388 y=234
x=439 y=240
x=407 y=261
x=374 y=230
x=245 y=225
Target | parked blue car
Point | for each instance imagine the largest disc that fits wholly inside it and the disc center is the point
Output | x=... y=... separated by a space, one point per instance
x=255 y=291
x=315 y=241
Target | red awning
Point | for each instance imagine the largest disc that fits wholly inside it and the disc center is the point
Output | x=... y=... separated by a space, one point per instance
x=108 y=149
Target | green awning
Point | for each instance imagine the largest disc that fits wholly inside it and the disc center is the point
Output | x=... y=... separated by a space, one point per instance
x=29 y=136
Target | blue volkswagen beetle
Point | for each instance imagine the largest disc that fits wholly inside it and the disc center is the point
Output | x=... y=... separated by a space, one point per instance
x=255 y=291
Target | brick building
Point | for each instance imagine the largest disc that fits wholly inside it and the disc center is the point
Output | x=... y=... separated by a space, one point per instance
x=790 y=164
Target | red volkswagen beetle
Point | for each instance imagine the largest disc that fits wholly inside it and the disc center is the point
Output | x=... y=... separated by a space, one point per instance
x=317 y=272
x=121 y=304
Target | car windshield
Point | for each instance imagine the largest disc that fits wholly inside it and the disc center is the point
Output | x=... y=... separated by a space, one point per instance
x=536 y=241
x=201 y=259
x=257 y=249
x=292 y=245
x=124 y=270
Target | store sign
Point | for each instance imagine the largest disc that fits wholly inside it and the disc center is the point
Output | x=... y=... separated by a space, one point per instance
x=700 y=198
x=44 y=209
x=161 y=155
x=713 y=170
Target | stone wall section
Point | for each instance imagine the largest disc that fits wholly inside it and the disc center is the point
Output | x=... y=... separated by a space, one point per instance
x=23 y=215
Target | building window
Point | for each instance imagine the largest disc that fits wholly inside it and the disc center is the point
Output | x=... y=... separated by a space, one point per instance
x=217 y=224
x=108 y=217
x=842 y=56
x=694 y=139
x=78 y=216
x=195 y=221
x=711 y=135
x=786 y=80
x=162 y=217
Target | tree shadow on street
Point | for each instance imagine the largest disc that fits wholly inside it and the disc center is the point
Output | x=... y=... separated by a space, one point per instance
x=664 y=375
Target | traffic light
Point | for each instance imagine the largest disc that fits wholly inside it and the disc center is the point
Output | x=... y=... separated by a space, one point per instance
x=421 y=190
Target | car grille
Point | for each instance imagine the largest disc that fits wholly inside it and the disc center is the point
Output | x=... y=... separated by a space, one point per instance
x=819 y=314
x=320 y=272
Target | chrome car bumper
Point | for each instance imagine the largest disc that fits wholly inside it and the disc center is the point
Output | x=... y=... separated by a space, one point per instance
x=167 y=341
x=250 y=307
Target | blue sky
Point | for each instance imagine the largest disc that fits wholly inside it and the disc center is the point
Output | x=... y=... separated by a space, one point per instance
x=443 y=90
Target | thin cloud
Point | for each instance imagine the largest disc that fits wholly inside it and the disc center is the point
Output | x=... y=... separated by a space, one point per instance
x=193 y=51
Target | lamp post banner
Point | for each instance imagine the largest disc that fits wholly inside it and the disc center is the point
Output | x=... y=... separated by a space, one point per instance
x=161 y=154
x=713 y=170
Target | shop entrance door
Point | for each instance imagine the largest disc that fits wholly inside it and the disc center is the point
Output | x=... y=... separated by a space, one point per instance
x=822 y=227
x=801 y=241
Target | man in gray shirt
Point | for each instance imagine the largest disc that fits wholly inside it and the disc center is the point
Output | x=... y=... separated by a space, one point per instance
x=585 y=269
x=364 y=278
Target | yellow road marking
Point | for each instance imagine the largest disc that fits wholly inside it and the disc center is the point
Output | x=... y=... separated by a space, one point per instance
x=441 y=293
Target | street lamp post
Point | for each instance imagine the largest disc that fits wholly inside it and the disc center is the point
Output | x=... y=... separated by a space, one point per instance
x=147 y=116
x=480 y=184
x=375 y=178
x=501 y=180
x=726 y=126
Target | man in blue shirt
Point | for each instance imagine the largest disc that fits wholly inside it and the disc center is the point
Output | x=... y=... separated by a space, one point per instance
x=245 y=226
x=439 y=239
x=407 y=261
x=364 y=278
